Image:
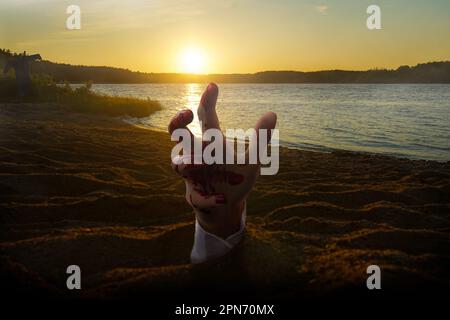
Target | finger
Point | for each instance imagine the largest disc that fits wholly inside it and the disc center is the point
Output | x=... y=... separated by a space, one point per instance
x=207 y=108
x=181 y=120
x=265 y=125
x=268 y=121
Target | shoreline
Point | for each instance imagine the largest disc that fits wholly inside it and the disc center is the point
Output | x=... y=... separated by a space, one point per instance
x=291 y=147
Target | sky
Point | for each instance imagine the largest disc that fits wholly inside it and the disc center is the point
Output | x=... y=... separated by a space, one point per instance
x=229 y=36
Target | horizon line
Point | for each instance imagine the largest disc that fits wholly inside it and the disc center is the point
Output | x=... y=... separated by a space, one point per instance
x=247 y=73
x=235 y=73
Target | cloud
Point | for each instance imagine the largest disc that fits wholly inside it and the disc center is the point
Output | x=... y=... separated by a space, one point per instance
x=322 y=9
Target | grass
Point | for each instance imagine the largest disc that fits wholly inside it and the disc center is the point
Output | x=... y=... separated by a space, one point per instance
x=81 y=99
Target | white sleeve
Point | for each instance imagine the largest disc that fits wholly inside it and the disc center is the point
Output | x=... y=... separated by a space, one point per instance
x=208 y=246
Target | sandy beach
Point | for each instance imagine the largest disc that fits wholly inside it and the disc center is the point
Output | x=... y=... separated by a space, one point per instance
x=99 y=193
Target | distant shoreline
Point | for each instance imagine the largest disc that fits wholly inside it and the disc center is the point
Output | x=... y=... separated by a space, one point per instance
x=429 y=72
x=432 y=72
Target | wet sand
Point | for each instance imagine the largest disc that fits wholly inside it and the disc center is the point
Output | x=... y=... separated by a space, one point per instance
x=98 y=193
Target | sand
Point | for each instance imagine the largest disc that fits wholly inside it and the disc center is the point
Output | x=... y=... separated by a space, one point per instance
x=99 y=193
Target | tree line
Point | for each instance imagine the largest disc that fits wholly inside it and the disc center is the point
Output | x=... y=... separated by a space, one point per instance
x=431 y=72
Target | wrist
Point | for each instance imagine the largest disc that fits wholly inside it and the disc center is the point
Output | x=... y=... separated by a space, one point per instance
x=224 y=222
x=208 y=246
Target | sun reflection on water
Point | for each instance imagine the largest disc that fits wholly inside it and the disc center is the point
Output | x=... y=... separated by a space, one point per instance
x=193 y=92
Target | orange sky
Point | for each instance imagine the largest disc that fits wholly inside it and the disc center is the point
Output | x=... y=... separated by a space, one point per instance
x=229 y=36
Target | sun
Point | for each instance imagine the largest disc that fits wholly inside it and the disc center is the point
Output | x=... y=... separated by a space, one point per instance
x=192 y=60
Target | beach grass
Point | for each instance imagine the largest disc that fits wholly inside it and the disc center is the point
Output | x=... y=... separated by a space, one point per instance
x=82 y=99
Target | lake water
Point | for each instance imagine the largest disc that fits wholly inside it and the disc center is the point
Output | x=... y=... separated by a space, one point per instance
x=402 y=120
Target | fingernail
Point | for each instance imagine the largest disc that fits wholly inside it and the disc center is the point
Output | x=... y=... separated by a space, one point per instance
x=210 y=93
x=185 y=115
x=212 y=87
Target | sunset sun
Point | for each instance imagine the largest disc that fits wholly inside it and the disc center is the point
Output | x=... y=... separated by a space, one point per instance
x=192 y=60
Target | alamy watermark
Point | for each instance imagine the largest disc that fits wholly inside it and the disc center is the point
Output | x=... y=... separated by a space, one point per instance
x=374 y=20
x=73 y=22
x=213 y=152
x=74 y=280
x=374 y=280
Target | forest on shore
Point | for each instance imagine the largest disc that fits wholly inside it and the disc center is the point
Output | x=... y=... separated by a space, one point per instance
x=431 y=72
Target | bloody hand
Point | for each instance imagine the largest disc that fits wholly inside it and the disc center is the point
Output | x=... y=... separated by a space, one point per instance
x=217 y=192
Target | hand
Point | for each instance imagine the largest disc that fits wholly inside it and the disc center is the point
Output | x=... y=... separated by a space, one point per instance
x=217 y=192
